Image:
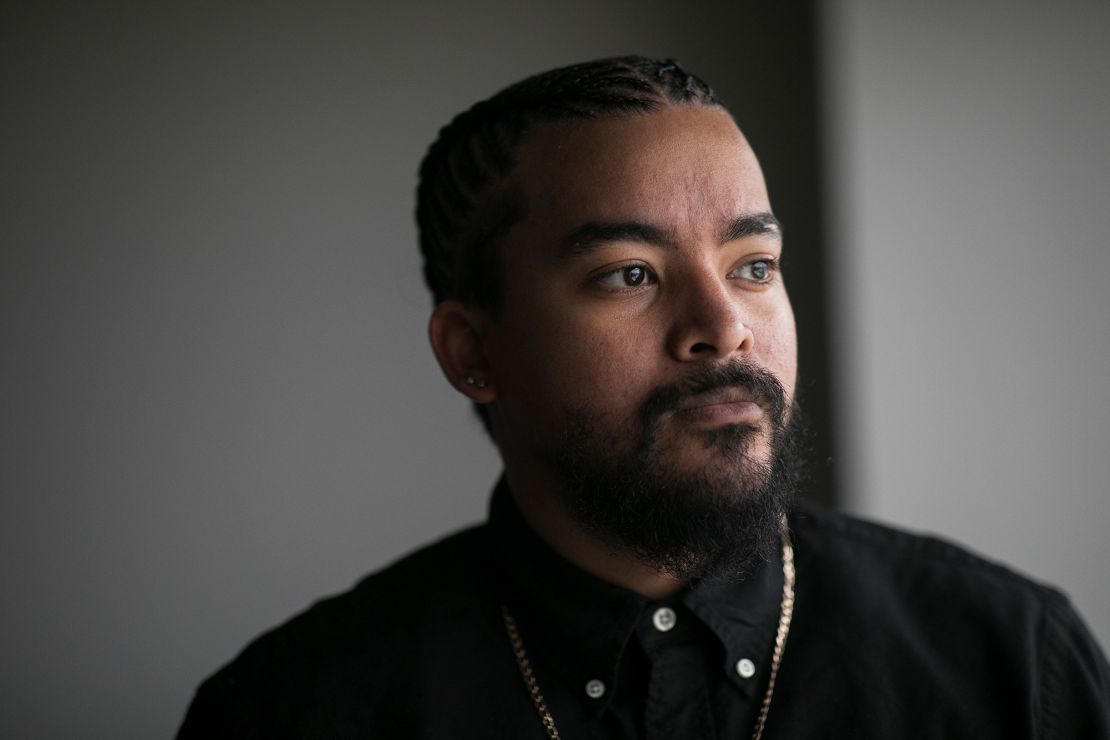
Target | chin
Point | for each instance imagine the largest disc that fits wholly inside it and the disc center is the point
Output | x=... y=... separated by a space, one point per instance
x=686 y=500
x=727 y=445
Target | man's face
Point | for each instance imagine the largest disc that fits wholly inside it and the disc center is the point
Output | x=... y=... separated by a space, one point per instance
x=646 y=255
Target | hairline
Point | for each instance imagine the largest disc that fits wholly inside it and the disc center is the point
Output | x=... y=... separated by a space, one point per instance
x=504 y=203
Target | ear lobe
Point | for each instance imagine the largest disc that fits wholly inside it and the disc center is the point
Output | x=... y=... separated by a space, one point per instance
x=456 y=331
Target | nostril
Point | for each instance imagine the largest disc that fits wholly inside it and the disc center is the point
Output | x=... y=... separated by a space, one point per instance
x=702 y=347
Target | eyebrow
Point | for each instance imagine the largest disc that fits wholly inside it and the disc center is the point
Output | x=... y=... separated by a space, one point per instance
x=595 y=234
x=755 y=224
x=590 y=236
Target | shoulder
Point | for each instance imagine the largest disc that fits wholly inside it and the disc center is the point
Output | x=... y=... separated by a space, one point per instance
x=891 y=568
x=841 y=539
x=345 y=647
x=427 y=584
x=878 y=585
x=956 y=624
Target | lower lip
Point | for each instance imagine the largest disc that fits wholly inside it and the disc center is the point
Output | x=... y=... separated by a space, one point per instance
x=738 y=412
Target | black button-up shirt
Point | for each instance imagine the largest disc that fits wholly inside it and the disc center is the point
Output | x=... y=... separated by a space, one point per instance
x=893 y=636
x=680 y=683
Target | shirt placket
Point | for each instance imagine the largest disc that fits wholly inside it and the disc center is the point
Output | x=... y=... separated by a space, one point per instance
x=678 y=701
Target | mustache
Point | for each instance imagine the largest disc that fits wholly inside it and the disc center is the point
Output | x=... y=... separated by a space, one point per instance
x=761 y=383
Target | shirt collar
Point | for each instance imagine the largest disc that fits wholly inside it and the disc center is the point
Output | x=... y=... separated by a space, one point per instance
x=744 y=615
x=580 y=625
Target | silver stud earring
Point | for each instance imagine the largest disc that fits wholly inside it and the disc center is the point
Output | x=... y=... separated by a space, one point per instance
x=477 y=382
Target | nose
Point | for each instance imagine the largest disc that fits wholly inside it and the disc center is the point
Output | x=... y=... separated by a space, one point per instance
x=709 y=322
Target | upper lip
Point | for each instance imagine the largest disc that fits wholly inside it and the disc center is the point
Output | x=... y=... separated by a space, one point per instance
x=732 y=394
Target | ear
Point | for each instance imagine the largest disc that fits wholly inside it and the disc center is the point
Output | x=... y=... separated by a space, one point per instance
x=457 y=332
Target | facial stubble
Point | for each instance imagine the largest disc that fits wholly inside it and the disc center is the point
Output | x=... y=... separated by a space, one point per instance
x=718 y=521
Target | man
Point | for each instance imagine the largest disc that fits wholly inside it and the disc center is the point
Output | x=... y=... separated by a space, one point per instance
x=605 y=267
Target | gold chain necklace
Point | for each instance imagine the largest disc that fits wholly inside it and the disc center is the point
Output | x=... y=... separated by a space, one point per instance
x=786 y=613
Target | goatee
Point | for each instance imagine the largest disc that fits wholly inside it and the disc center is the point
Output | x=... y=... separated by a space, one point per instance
x=719 y=521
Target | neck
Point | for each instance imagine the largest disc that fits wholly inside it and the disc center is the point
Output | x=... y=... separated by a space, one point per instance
x=542 y=507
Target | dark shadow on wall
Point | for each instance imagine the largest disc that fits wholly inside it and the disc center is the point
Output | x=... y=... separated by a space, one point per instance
x=769 y=79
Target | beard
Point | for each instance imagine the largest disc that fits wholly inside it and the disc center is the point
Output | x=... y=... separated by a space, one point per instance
x=719 y=521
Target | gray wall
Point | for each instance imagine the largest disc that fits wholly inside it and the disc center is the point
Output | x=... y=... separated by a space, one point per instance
x=971 y=194
x=217 y=401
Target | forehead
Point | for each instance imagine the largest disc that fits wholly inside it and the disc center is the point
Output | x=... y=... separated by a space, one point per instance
x=687 y=169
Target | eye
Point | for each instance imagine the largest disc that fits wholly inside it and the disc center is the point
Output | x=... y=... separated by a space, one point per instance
x=626 y=277
x=758 y=271
x=634 y=275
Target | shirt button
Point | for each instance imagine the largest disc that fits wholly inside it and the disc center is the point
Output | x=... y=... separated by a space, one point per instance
x=663 y=619
x=595 y=689
x=745 y=668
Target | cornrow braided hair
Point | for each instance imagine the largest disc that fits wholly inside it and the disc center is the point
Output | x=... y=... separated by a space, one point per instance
x=458 y=220
x=460 y=212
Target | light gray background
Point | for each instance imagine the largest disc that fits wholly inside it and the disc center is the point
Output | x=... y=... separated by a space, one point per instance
x=971 y=204
x=217 y=400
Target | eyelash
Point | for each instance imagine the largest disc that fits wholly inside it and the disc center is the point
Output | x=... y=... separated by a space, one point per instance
x=650 y=277
x=772 y=269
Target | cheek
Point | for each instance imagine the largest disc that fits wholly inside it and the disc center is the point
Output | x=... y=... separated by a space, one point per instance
x=550 y=362
x=779 y=350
